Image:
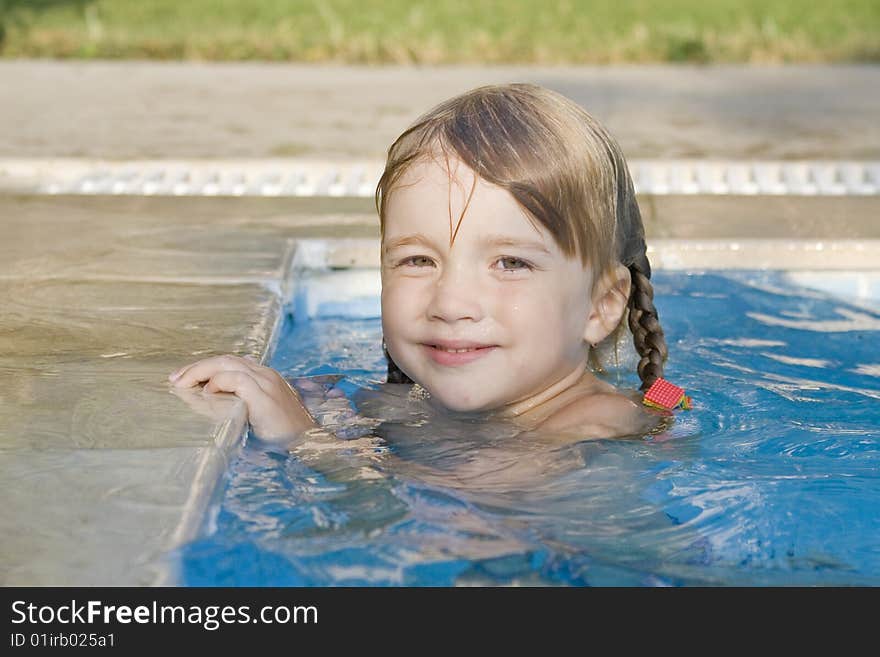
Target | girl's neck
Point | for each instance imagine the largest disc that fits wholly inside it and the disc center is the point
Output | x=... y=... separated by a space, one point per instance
x=580 y=378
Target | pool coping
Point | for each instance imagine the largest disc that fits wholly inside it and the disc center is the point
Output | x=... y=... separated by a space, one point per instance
x=199 y=511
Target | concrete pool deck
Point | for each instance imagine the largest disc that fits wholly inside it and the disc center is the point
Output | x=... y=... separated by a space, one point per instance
x=104 y=471
x=138 y=110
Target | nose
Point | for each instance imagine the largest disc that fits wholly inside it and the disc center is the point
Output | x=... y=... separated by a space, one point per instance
x=456 y=296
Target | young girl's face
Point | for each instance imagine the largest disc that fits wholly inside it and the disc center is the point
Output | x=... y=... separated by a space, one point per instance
x=495 y=319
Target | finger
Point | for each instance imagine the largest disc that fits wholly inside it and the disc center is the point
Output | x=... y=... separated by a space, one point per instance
x=203 y=370
x=237 y=382
x=177 y=374
x=245 y=360
x=245 y=387
x=215 y=407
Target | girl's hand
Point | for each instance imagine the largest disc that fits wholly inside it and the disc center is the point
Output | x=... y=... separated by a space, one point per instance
x=274 y=409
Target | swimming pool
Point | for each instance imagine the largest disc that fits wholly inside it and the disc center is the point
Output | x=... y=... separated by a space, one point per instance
x=773 y=478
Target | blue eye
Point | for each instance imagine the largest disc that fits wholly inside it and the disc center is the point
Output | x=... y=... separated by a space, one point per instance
x=508 y=263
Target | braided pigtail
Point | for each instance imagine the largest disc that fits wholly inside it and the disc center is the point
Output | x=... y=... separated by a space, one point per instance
x=395 y=374
x=644 y=323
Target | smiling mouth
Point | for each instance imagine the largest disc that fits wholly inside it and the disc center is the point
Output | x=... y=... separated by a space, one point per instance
x=450 y=350
x=452 y=355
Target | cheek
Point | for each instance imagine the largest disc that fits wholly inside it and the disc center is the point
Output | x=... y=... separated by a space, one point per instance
x=551 y=316
x=535 y=310
x=399 y=305
x=390 y=311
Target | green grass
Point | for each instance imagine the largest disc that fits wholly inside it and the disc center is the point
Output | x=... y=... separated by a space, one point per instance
x=446 y=31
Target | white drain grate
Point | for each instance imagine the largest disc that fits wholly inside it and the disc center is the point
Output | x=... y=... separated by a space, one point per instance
x=749 y=178
x=301 y=178
x=207 y=180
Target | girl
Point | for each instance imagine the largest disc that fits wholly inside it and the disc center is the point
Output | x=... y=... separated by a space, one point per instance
x=512 y=246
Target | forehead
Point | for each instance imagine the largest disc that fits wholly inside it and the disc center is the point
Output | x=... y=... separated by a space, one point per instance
x=431 y=198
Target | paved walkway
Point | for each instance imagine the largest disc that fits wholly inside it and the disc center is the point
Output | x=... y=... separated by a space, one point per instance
x=146 y=110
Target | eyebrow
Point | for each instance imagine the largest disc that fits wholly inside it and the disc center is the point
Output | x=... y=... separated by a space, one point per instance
x=507 y=241
x=407 y=240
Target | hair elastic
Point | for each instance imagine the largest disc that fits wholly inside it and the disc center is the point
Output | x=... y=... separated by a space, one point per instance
x=666 y=396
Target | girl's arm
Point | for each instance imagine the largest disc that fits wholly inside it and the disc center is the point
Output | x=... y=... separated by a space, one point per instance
x=275 y=411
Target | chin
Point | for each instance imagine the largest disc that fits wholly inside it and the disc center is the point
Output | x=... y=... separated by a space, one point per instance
x=461 y=405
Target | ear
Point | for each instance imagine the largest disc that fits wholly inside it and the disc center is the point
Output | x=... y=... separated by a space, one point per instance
x=609 y=303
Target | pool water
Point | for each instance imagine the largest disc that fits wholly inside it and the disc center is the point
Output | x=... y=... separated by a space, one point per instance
x=773 y=479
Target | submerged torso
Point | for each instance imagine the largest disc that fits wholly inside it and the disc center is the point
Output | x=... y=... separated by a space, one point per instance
x=397 y=428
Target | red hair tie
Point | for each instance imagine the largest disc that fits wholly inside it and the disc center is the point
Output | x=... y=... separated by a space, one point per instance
x=666 y=396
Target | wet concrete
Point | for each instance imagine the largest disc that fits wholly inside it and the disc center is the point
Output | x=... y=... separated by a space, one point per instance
x=103 y=470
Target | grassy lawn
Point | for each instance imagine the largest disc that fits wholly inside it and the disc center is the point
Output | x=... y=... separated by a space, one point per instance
x=446 y=31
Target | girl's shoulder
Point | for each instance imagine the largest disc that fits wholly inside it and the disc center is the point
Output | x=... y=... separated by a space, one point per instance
x=608 y=413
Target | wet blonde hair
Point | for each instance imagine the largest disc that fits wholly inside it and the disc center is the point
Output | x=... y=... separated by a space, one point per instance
x=559 y=164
